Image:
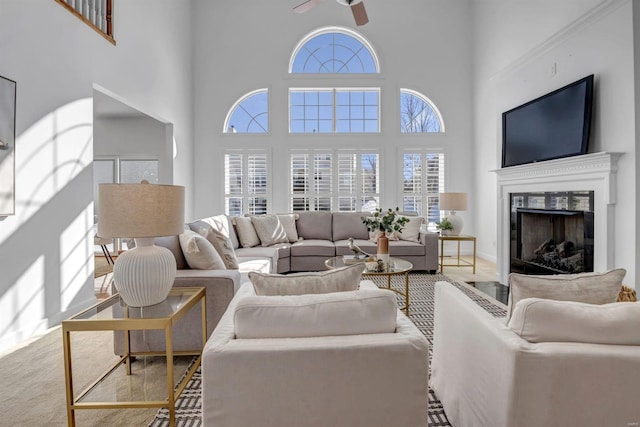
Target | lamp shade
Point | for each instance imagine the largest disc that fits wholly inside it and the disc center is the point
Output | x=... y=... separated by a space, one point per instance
x=140 y=210
x=453 y=201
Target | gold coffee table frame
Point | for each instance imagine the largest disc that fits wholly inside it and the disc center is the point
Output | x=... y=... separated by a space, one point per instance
x=400 y=267
x=103 y=317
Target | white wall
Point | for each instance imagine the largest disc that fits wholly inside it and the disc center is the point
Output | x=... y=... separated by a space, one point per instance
x=135 y=137
x=239 y=47
x=580 y=38
x=46 y=249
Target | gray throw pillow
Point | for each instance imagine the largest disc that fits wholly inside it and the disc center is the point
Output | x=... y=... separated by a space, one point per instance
x=246 y=233
x=269 y=229
x=591 y=288
x=338 y=280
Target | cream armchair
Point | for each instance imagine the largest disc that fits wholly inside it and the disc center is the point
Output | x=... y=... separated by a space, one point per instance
x=486 y=374
x=316 y=378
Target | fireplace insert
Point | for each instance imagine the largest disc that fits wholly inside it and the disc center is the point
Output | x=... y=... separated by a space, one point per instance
x=551 y=241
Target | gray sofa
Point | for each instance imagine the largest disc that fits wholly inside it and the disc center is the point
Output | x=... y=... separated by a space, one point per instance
x=323 y=235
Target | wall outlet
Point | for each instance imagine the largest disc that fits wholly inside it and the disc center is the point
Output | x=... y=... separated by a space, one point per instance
x=553 y=69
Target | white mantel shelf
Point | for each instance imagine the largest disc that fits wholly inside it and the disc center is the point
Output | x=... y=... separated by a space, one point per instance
x=590 y=172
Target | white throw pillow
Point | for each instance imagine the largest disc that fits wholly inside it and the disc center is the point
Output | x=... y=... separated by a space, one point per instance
x=338 y=280
x=369 y=311
x=269 y=229
x=199 y=252
x=411 y=230
x=246 y=232
x=288 y=222
x=592 y=288
x=543 y=320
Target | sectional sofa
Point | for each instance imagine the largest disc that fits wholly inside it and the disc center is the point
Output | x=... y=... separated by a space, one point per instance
x=320 y=235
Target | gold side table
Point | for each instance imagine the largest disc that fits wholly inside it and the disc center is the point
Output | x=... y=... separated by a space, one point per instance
x=460 y=262
x=395 y=267
x=114 y=315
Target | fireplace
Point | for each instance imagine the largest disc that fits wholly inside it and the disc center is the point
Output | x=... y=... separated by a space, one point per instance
x=586 y=184
x=552 y=239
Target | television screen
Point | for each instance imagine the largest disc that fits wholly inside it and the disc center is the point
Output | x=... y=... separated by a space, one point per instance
x=552 y=126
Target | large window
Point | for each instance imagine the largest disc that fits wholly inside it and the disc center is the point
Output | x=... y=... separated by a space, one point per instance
x=423 y=180
x=246 y=182
x=249 y=114
x=330 y=180
x=418 y=114
x=334 y=50
x=334 y=110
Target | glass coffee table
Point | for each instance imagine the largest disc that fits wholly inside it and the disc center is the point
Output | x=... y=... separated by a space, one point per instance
x=113 y=314
x=395 y=267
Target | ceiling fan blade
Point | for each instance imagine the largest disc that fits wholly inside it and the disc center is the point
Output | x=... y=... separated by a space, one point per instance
x=359 y=13
x=308 y=5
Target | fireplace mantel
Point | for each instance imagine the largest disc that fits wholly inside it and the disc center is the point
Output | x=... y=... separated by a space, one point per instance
x=590 y=172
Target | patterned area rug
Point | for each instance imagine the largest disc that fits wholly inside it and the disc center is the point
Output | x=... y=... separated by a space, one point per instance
x=188 y=407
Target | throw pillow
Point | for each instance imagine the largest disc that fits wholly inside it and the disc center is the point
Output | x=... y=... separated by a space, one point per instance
x=221 y=223
x=246 y=233
x=288 y=222
x=219 y=241
x=338 y=280
x=411 y=230
x=591 y=288
x=269 y=229
x=365 y=311
x=391 y=235
x=542 y=320
x=199 y=252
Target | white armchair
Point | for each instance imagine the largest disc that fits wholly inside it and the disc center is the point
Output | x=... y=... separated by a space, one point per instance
x=368 y=379
x=485 y=374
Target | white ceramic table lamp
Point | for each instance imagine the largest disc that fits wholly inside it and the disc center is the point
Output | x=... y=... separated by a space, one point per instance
x=453 y=202
x=143 y=275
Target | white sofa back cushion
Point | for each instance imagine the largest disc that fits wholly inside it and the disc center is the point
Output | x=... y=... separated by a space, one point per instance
x=199 y=252
x=591 y=288
x=338 y=280
x=543 y=320
x=365 y=311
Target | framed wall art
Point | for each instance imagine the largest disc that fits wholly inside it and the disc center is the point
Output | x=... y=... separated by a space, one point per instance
x=7 y=146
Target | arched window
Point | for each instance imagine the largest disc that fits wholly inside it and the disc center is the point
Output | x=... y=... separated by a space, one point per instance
x=418 y=114
x=250 y=113
x=334 y=50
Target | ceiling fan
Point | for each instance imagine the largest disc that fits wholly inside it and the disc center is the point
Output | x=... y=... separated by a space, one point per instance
x=357 y=7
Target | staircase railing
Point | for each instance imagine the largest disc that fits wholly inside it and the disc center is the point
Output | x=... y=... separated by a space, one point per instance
x=95 y=13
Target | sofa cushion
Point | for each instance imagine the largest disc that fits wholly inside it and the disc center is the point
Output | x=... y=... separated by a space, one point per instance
x=199 y=252
x=315 y=225
x=246 y=232
x=221 y=223
x=543 y=320
x=173 y=244
x=338 y=280
x=342 y=247
x=369 y=311
x=411 y=230
x=269 y=229
x=222 y=243
x=591 y=288
x=349 y=224
x=313 y=247
x=288 y=222
x=402 y=248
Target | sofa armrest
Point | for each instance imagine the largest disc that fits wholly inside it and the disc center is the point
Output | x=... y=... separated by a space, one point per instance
x=220 y=285
x=430 y=241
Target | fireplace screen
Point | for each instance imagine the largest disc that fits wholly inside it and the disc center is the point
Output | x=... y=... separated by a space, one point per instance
x=551 y=240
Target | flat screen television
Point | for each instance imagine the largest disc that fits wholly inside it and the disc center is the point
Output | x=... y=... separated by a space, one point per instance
x=550 y=127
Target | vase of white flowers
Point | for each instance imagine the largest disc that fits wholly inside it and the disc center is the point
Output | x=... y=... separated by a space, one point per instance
x=385 y=222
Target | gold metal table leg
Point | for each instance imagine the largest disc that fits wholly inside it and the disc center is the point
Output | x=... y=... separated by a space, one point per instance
x=170 y=393
x=406 y=287
x=66 y=342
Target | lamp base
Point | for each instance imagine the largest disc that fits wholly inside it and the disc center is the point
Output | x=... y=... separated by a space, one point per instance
x=144 y=275
x=457 y=223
